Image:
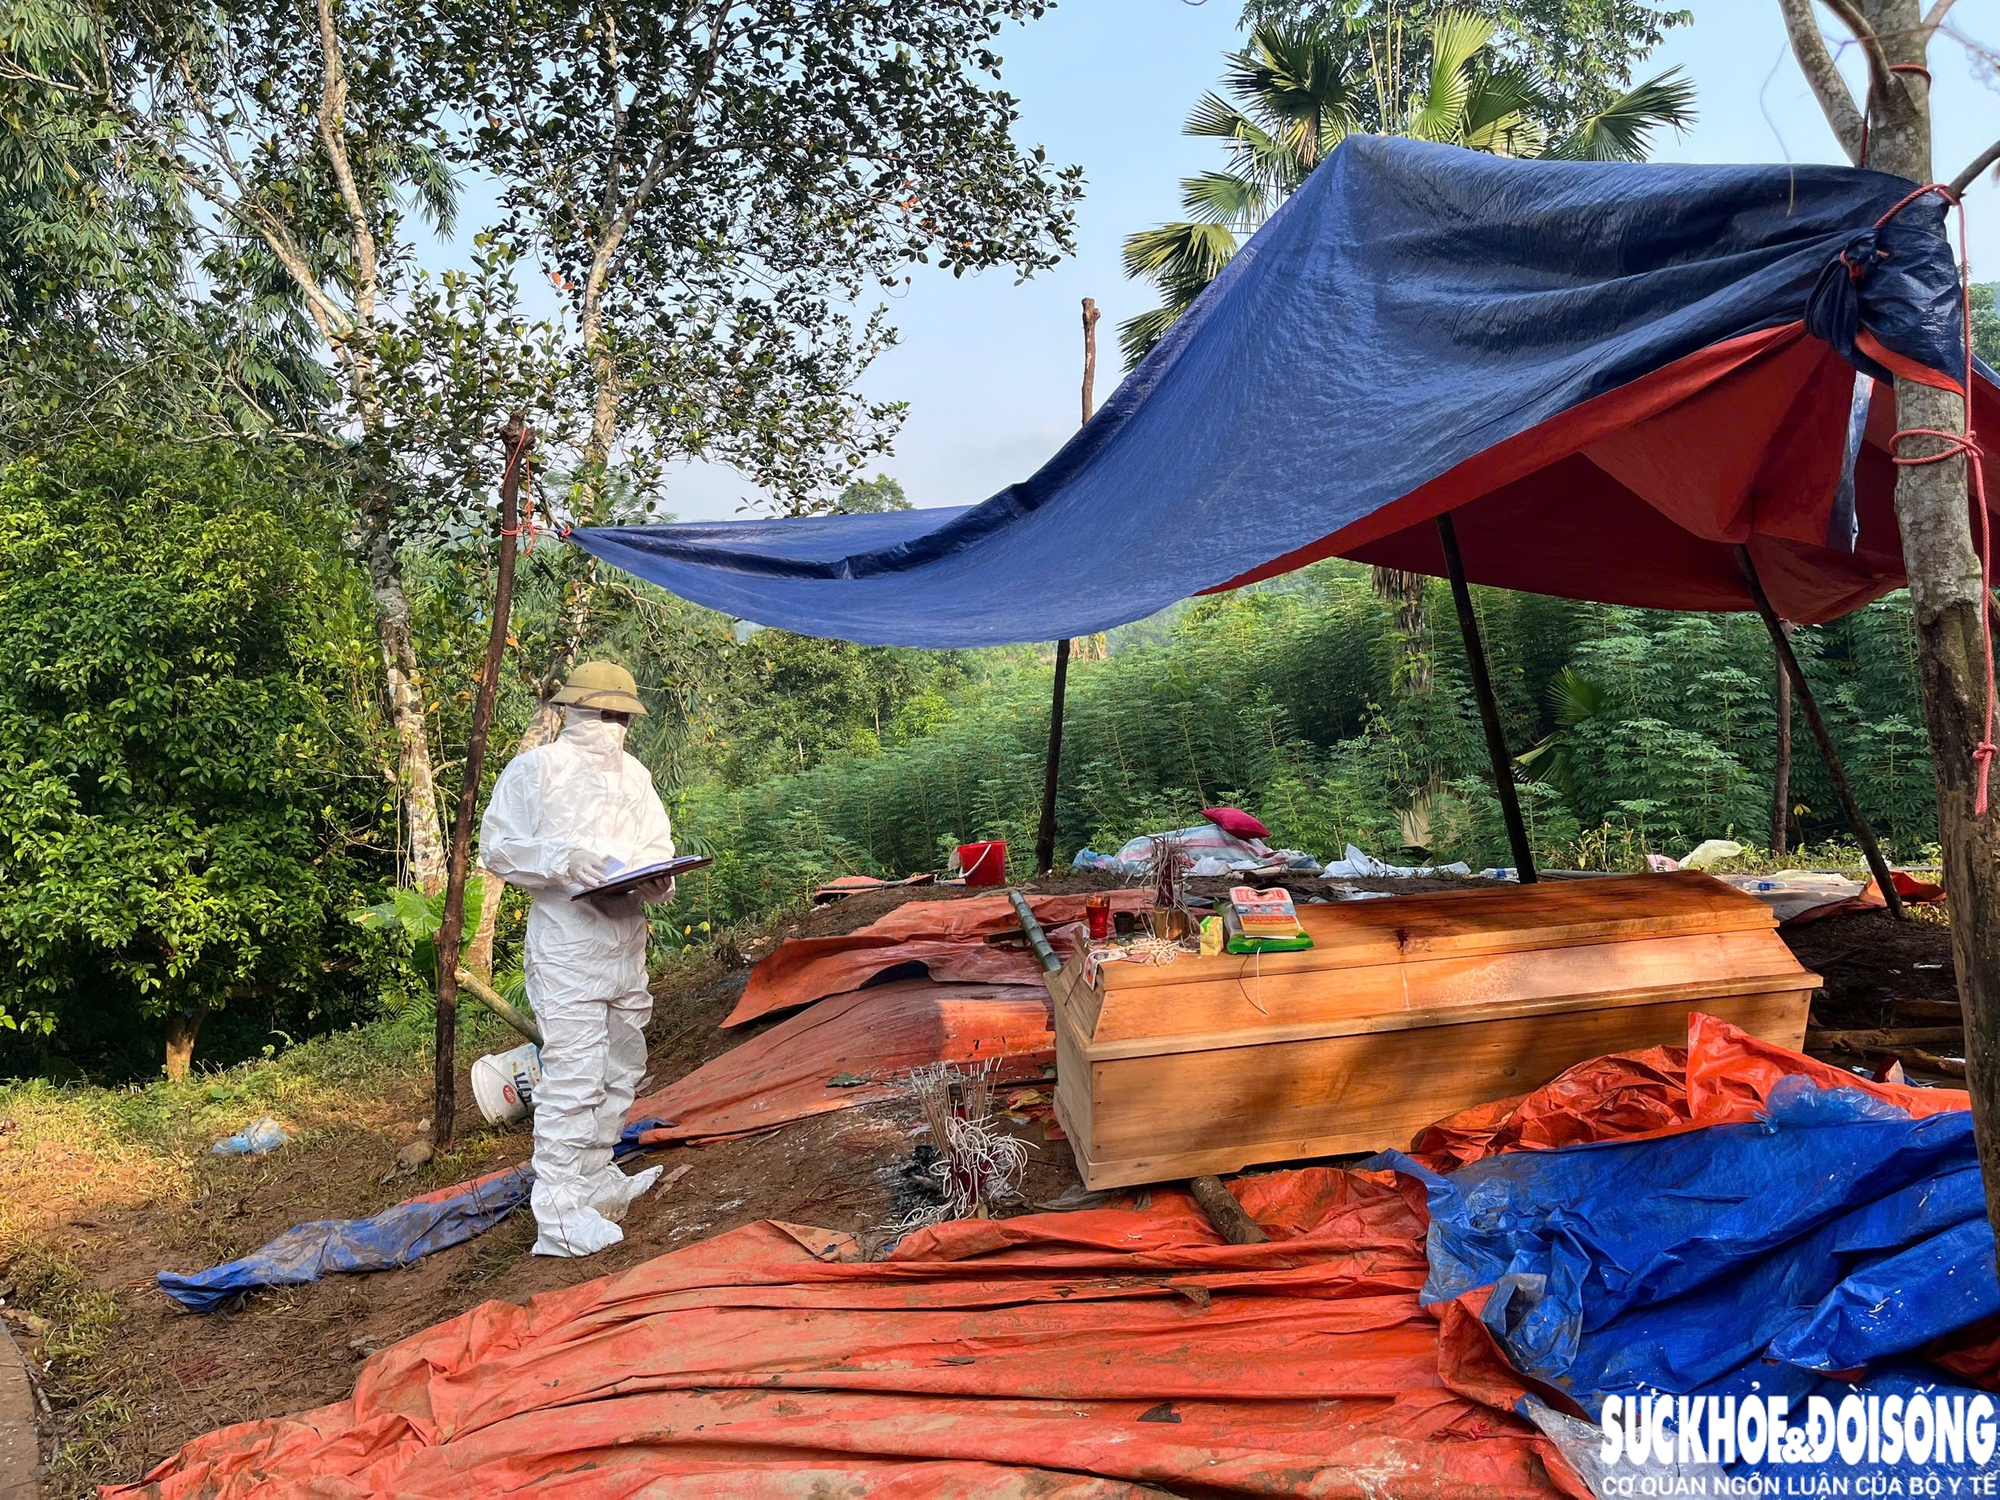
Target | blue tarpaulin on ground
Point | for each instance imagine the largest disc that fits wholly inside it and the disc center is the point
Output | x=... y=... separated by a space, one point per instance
x=398 y=1236
x=1827 y=1245
x=1610 y=374
x=1799 y=1265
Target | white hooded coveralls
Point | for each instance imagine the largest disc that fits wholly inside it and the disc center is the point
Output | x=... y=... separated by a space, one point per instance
x=559 y=815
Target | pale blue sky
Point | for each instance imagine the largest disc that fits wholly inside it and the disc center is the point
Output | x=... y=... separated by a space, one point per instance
x=990 y=369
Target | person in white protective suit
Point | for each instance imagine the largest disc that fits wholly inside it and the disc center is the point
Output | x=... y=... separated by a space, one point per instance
x=564 y=817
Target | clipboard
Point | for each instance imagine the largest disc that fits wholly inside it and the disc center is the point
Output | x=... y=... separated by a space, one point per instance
x=627 y=880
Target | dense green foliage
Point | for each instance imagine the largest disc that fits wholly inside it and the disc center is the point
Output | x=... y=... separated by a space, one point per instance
x=1281 y=700
x=190 y=774
x=870 y=496
x=1583 y=50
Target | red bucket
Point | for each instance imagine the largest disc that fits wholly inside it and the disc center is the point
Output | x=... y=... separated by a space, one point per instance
x=984 y=863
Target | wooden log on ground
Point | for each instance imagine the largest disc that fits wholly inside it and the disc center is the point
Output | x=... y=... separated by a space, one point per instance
x=1929 y=1010
x=1929 y=1062
x=1225 y=1213
x=1885 y=1039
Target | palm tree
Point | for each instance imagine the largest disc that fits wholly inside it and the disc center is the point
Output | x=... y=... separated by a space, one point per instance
x=1296 y=91
x=1299 y=92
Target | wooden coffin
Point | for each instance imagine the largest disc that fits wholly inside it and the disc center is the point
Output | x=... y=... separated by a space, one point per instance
x=1404 y=1011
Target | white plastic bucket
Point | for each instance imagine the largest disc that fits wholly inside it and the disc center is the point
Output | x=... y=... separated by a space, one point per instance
x=504 y=1083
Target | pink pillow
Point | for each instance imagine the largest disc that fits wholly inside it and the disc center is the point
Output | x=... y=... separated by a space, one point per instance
x=1235 y=822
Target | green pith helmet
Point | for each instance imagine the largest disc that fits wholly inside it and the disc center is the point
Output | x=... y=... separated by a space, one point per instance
x=602 y=685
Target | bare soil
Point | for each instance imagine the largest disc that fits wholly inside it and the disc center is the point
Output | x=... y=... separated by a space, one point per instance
x=1869 y=961
x=168 y=1376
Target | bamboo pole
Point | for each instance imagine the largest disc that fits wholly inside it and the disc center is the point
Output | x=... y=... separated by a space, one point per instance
x=1809 y=707
x=518 y=440
x=1045 y=831
x=1489 y=707
x=496 y=1002
x=1031 y=929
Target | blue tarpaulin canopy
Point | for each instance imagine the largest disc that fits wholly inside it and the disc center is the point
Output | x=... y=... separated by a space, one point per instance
x=1611 y=375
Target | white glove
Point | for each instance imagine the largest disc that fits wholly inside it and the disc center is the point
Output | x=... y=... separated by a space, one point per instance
x=586 y=870
x=655 y=892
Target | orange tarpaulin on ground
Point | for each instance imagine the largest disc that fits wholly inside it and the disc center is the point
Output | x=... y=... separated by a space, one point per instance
x=1089 y=1354
x=980 y=917
x=1722 y=1077
x=876 y=1035
x=949 y=938
x=808 y=969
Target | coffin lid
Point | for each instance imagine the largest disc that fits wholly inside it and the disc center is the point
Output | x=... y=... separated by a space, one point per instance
x=1485 y=920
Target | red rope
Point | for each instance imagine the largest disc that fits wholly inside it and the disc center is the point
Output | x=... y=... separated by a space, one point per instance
x=519 y=456
x=1965 y=445
x=1868 y=109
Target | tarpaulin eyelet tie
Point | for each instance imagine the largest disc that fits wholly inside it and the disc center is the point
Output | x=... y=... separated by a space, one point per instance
x=1963 y=445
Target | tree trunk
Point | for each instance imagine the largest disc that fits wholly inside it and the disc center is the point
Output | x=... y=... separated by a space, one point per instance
x=1781 y=774
x=181 y=1028
x=1406 y=592
x=1947 y=600
x=542 y=729
x=604 y=385
x=417 y=781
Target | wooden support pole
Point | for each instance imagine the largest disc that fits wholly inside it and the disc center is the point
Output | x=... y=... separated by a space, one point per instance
x=1809 y=706
x=1045 y=831
x=1781 y=771
x=451 y=926
x=1489 y=706
x=1225 y=1213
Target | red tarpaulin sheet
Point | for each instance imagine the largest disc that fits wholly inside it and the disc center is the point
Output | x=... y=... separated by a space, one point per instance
x=1082 y=1355
x=949 y=938
x=876 y=1035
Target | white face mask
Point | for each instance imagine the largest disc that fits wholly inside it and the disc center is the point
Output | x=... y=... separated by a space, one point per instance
x=589 y=730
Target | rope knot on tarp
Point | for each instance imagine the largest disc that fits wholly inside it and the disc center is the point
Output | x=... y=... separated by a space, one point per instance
x=1891 y=293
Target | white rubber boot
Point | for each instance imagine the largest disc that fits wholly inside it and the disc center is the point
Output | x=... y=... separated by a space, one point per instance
x=576 y=1235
